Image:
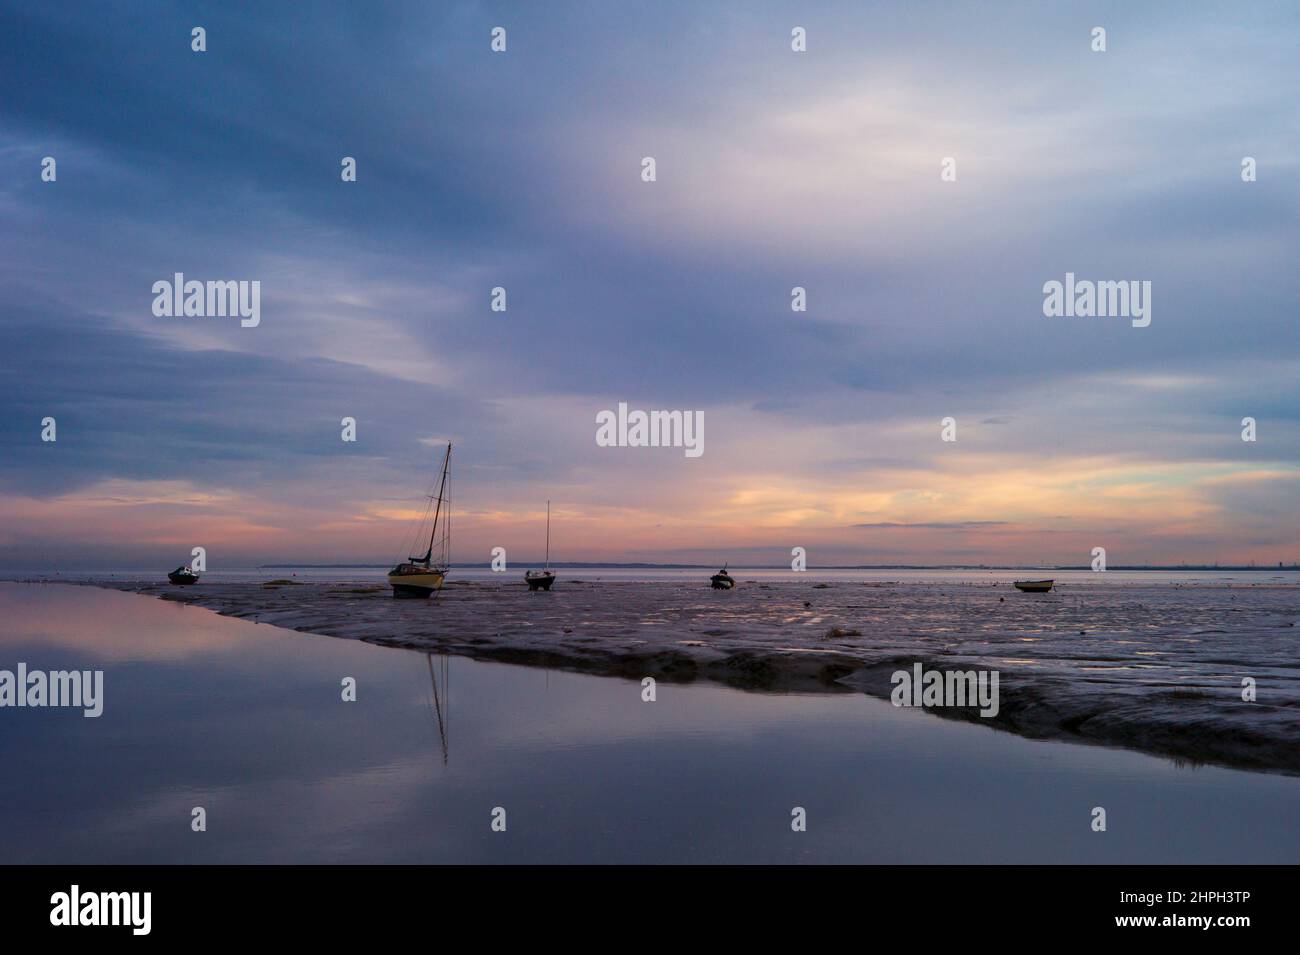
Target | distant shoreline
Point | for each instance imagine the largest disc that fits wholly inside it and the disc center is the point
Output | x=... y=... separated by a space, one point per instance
x=786 y=567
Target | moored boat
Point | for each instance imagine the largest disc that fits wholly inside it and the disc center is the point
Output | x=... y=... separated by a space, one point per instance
x=423 y=576
x=539 y=579
x=183 y=576
x=542 y=579
x=1034 y=586
x=415 y=579
x=722 y=580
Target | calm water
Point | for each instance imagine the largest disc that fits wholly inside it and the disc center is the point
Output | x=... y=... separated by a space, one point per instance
x=217 y=574
x=246 y=720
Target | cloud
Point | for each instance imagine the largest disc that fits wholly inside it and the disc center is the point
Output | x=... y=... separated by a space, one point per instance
x=776 y=169
x=937 y=525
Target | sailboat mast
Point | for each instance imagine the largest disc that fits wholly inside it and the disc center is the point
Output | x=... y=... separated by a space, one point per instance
x=548 y=535
x=433 y=535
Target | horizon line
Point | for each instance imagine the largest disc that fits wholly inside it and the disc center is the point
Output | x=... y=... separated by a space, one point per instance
x=634 y=565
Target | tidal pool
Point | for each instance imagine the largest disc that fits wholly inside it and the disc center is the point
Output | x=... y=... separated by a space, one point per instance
x=247 y=721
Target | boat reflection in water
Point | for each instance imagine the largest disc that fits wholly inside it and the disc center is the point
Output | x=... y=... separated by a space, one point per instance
x=439 y=704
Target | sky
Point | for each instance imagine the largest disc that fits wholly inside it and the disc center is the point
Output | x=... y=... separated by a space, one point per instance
x=522 y=169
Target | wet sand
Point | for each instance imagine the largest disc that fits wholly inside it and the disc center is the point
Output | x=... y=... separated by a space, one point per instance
x=1157 y=668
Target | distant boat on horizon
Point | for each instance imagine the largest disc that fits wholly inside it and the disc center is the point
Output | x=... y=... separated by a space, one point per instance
x=542 y=579
x=422 y=576
x=722 y=580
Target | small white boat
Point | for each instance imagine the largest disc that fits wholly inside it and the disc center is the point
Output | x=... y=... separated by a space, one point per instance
x=1034 y=586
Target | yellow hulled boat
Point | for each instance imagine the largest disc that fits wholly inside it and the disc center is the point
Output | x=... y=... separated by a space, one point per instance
x=415 y=580
x=423 y=576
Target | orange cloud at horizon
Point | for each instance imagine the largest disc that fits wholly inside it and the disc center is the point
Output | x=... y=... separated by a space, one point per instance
x=985 y=508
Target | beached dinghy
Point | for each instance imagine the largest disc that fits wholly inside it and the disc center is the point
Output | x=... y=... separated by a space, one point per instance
x=542 y=579
x=722 y=580
x=422 y=576
x=182 y=575
x=1034 y=586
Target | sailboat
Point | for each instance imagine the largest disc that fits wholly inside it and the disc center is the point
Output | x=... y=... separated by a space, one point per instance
x=542 y=579
x=422 y=576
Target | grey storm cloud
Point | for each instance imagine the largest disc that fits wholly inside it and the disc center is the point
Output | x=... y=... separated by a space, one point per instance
x=130 y=407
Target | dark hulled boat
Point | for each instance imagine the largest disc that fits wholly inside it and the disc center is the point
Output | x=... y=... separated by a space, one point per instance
x=542 y=579
x=1034 y=586
x=722 y=580
x=183 y=576
x=539 y=579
